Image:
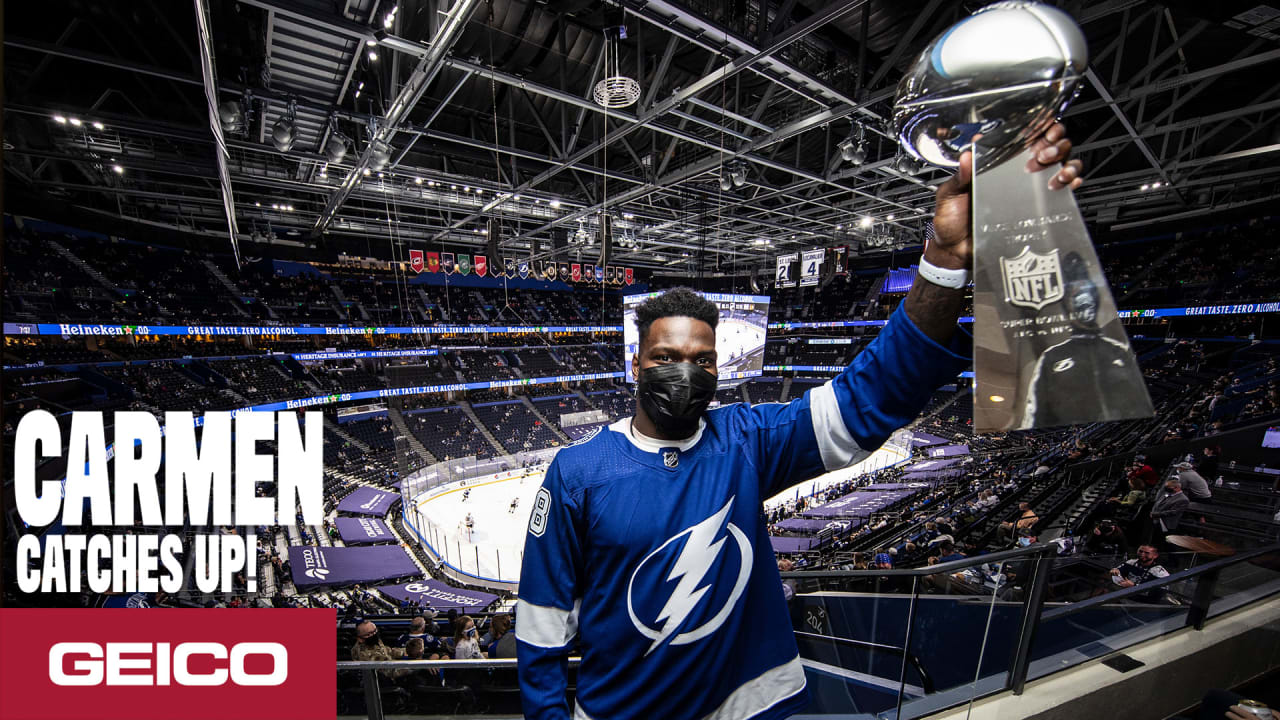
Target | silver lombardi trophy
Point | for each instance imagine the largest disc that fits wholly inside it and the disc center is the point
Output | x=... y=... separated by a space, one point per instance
x=1049 y=348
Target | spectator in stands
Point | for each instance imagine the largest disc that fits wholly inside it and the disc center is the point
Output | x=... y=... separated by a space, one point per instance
x=1193 y=483
x=1026 y=520
x=1167 y=510
x=1208 y=466
x=1136 y=496
x=418 y=631
x=949 y=553
x=1107 y=539
x=1139 y=570
x=369 y=647
x=466 y=639
x=1144 y=472
x=498 y=627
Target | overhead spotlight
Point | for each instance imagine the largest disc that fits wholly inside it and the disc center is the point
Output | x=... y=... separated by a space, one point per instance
x=1155 y=185
x=889 y=217
x=380 y=156
x=366 y=172
x=839 y=227
x=738 y=175
x=373 y=56
x=628 y=216
x=61 y=120
x=1147 y=186
x=379 y=174
x=466 y=188
x=453 y=187
x=324 y=174
x=335 y=148
x=74 y=121
x=284 y=132
x=118 y=170
x=231 y=115
x=555 y=204
x=854 y=148
x=517 y=197
x=257 y=203
x=906 y=165
x=431 y=183
x=417 y=181
x=99 y=126
x=371 y=43
x=865 y=222
x=725 y=183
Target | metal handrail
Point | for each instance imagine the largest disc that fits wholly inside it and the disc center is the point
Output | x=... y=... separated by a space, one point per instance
x=946 y=567
x=926 y=681
x=1062 y=611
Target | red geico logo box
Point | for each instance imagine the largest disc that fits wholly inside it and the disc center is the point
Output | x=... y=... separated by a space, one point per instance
x=167 y=664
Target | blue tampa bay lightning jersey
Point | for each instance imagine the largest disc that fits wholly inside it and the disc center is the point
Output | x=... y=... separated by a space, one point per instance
x=655 y=554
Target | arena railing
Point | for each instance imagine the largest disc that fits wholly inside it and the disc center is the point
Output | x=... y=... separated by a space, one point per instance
x=915 y=670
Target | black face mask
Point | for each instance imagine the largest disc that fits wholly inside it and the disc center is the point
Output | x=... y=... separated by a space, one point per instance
x=675 y=395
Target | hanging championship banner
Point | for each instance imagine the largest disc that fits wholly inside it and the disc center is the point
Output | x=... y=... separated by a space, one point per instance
x=549 y=269
x=589 y=273
x=564 y=272
x=510 y=264
x=482 y=265
x=464 y=264
x=811 y=267
x=433 y=262
x=446 y=259
x=784 y=278
x=575 y=272
x=840 y=256
x=417 y=261
x=600 y=274
x=609 y=274
x=524 y=269
x=631 y=275
x=617 y=275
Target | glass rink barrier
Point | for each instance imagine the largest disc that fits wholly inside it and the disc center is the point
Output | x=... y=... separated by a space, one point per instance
x=470 y=515
x=879 y=644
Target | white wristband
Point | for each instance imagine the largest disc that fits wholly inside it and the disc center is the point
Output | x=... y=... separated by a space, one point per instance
x=954 y=279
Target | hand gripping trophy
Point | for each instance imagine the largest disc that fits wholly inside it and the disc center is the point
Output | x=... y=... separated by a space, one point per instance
x=1049 y=348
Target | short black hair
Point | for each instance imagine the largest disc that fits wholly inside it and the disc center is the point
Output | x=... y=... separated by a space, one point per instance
x=676 y=302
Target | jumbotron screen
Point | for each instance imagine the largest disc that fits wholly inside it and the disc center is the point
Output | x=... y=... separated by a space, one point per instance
x=740 y=335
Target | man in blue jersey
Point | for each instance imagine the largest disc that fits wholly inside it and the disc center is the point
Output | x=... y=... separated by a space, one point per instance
x=649 y=536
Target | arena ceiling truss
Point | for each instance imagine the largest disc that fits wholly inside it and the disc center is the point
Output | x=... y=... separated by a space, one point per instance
x=455 y=114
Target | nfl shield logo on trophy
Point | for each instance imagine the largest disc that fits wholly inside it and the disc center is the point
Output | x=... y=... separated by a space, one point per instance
x=1032 y=279
x=670 y=458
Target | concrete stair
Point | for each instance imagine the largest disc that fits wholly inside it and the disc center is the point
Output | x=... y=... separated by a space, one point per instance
x=86 y=267
x=554 y=427
x=222 y=278
x=402 y=427
x=332 y=427
x=484 y=430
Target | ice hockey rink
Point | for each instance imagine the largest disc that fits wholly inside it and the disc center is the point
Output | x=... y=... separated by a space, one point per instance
x=736 y=340
x=494 y=547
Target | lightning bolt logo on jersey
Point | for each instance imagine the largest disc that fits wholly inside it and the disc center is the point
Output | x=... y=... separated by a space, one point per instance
x=699 y=554
x=653 y=558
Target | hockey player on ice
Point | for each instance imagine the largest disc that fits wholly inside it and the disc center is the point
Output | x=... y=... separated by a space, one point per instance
x=650 y=534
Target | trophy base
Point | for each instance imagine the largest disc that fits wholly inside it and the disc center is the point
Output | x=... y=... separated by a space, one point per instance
x=1049 y=348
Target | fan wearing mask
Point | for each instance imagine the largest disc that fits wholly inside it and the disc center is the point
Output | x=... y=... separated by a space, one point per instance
x=649 y=535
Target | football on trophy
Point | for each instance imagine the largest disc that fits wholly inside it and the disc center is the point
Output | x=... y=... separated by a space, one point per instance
x=1004 y=73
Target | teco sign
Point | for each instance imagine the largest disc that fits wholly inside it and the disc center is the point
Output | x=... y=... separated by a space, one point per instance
x=96 y=664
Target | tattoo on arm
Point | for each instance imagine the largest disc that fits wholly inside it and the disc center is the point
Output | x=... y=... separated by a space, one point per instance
x=934 y=309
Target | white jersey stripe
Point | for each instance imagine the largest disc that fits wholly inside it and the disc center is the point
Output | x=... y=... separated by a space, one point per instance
x=546 y=627
x=835 y=442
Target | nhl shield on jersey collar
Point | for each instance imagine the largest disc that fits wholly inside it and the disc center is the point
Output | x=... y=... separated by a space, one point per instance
x=647 y=444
